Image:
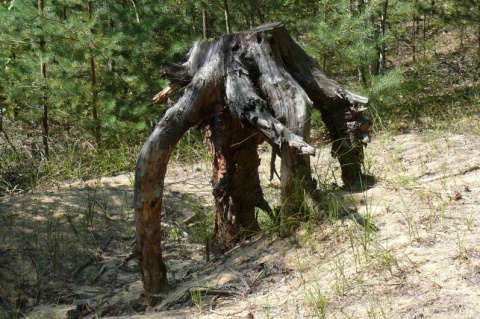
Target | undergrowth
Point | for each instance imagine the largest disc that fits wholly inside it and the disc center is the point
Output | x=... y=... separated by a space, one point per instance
x=24 y=166
x=422 y=99
x=23 y=169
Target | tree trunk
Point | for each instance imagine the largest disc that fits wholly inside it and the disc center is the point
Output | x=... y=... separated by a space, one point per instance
x=382 y=54
x=43 y=98
x=358 y=9
x=111 y=62
x=136 y=12
x=478 y=44
x=244 y=88
x=149 y=183
x=414 y=34
x=227 y=15
x=204 y=21
x=235 y=179
x=325 y=17
x=93 y=85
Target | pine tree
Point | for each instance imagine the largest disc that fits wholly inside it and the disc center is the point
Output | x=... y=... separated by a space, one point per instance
x=465 y=14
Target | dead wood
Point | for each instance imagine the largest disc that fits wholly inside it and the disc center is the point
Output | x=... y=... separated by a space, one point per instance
x=186 y=295
x=243 y=89
x=241 y=277
x=444 y=176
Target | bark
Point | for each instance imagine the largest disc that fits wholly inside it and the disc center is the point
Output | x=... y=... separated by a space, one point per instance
x=260 y=11
x=195 y=105
x=342 y=111
x=111 y=62
x=43 y=98
x=245 y=88
x=136 y=12
x=358 y=8
x=478 y=43
x=64 y=13
x=204 y=21
x=93 y=85
x=149 y=184
x=382 y=52
x=235 y=179
x=414 y=35
x=227 y=15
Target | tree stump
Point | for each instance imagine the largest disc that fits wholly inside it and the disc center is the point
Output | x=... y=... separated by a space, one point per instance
x=235 y=180
x=243 y=89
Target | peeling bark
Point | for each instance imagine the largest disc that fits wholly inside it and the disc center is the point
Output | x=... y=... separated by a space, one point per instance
x=150 y=172
x=243 y=89
x=235 y=179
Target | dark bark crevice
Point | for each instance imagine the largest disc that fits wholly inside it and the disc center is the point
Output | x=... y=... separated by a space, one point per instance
x=235 y=179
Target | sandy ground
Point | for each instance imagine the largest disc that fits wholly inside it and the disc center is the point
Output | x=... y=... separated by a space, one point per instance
x=63 y=249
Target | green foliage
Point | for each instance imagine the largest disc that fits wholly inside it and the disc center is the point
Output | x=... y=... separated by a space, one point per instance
x=102 y=66
x=385 y=93
x=191 y=148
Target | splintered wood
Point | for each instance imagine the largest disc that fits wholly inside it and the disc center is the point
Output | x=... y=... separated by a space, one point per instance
x=243 y=89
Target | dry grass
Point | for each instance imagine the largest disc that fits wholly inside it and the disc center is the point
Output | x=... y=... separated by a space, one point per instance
x=423 y=262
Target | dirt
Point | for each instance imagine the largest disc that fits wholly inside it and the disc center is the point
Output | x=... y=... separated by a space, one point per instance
x=63 y=251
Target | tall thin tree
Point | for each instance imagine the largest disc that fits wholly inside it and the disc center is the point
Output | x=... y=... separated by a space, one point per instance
x=43 y=95
x=93 y=82
x=382 y=51
x=204 y=21
x=227 y=16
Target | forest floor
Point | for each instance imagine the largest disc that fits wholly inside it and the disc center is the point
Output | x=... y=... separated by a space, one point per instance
x=62 y=251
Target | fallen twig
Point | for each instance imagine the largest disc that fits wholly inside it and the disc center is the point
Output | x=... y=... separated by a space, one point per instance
x=128 y=258
x=241 y=277
x=222 y=314
x=359 y=219
x=190 y=292
x=212 y=303
x=443 y=176
x=100 y=273
x=213 y=291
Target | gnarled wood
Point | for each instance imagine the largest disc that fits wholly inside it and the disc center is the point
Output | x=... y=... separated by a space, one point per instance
x=341 y=110
x=149 y=184
x=289 y=102
x=151 y=168
x=235 y=179
x=245 y=88
x=245 y=103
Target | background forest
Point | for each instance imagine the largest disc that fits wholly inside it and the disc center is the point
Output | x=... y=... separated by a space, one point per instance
x=77 y=76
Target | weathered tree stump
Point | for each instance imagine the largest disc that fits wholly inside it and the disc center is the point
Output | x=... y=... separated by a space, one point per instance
x=243 y=89
x=235 y=180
